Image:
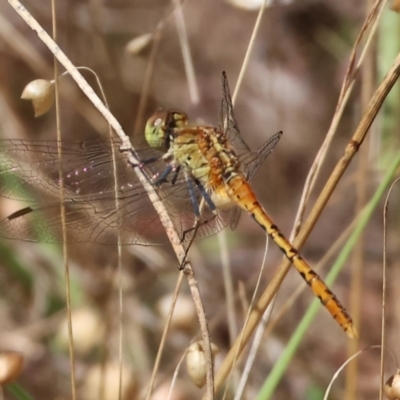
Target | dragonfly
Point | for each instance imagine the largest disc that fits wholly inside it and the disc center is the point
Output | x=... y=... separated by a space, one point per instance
x=208 y=157
x=201 y=174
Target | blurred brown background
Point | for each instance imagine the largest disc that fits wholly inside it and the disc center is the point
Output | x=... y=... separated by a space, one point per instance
x=292 y=84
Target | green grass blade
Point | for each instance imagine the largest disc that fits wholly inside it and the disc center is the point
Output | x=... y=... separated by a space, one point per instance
x=18 y=392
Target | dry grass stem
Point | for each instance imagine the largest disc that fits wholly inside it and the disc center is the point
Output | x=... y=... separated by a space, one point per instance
x=368 y=78
x=62 y=211
x=249 y=50
x=148 y=77
x=164 y=337
x=251 y=306
x=187 y=57
x=346 y=89
x=228 y=285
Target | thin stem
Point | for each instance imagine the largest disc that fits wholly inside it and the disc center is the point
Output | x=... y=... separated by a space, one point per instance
x=62 y=209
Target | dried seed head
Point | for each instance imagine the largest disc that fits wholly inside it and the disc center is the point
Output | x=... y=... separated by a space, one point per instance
x=41 y=93
x=392 y=387
x=105 y=382
x=196 y=362
x=88 y=331
x=184 y=315
x=11 y=363
x=138 y=44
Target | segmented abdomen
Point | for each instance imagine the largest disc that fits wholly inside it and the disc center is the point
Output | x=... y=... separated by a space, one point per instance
x=241 y=193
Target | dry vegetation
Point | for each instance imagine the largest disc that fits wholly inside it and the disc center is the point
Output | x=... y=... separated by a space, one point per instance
x=292 y=83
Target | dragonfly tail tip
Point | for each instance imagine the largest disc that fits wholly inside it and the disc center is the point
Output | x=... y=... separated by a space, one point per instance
x=352 y=332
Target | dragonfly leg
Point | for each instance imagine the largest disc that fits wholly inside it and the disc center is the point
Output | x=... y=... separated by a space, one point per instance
x=176 y=174
x=149 y=160
x=192 y=196
x=162 y=178
x=198 y=223
x=146 y=161
x=206 y=196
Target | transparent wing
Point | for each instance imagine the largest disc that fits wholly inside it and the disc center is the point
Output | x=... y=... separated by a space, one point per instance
x=95 y=210
x=254 y=160
x=227 y=122
x=29 y=172
x=228 y=125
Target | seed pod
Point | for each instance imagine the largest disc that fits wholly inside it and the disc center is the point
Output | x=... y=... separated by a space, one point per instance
x=392 y=387
x=138 y=44
x=41 y=93
x=196 y=362
x=184 y=315
x=88 y=331
x=11 y=363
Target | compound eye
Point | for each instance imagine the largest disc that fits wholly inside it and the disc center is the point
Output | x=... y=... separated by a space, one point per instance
x=157 y=119
x=155 y=129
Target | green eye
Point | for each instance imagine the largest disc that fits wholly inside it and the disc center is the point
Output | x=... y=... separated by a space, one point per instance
x=161 y=124
x=155 y=132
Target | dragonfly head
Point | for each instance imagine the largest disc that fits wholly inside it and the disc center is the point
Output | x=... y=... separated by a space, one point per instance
x=161 y=125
